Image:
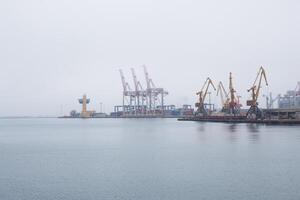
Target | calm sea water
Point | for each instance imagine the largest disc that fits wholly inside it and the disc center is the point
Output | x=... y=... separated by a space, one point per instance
x=126 y=159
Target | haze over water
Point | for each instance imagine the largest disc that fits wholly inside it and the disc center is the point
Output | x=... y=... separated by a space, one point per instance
x=53 y=52
x=147 y=159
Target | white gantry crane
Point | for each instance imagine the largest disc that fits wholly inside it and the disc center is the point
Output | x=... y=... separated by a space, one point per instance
x=140 y=95
x=155 y=96
x=128 y=95
x=141 y=100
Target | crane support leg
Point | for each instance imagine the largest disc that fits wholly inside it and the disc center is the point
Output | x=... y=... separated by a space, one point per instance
x=255 y=112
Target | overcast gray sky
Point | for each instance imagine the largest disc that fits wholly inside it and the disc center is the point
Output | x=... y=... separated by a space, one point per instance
x=53 y=51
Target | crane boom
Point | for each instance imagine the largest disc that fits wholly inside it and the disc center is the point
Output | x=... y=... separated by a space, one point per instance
x=262 y=75
x=297 y=89
x=231 y=90
x=148 y=80
x=124 y=84
x=134 y=79
x=221 y=90
x=206 y=85
x=209 y=83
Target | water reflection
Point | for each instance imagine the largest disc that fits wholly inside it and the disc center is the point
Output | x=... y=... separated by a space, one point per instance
x=201 y=131
x=254 y=137
x=233 y=134
x=201 y=127
x=232 y=128
x=254 y=130
x=233 y=131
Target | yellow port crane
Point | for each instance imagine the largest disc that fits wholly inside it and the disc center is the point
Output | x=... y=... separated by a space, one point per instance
x=231 y=105
x=202 y=96
x=224 y=96
x=234 y=102
x=255 y=91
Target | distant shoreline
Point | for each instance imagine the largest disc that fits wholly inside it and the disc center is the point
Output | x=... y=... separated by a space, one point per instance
x=25 y=117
